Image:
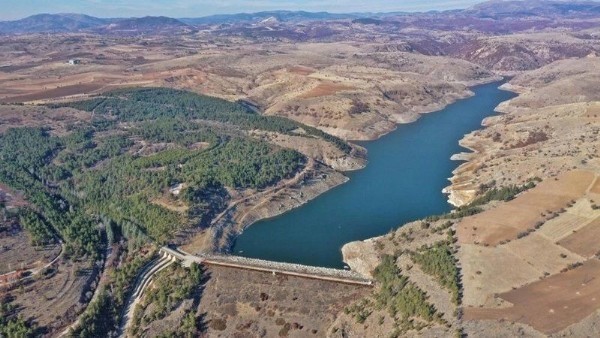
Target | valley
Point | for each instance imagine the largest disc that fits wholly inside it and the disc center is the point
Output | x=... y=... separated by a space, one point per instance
x=315 y=138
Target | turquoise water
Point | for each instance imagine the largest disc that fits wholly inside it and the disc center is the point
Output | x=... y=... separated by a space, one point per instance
x=402 y=182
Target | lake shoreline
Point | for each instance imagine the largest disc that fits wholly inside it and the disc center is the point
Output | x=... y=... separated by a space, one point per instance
x=275 y=210
x=458 y=193
x=228 y=229
x=424 y=110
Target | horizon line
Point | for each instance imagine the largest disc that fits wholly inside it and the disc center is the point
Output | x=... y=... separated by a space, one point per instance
x=238 y=13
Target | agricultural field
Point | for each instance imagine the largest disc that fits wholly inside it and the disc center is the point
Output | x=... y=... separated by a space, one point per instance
x=504 y=275
x=552 y=304
x=530 y=210
x=583 y=241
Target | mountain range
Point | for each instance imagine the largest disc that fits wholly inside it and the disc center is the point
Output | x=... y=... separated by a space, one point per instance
x=495 y=10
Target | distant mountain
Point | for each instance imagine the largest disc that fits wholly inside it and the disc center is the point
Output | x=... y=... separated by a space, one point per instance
x=282 y=16
x=146 y=24
x=498 y=9
x=477 y=16
x=42 y=23
x=269 y=20
x=62 y=23
x=367 y=21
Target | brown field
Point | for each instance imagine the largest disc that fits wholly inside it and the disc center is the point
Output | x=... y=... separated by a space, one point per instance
x=491 y=270
x=25 y=116
x=325 y=89
x=242 y=303
x=18 y=254
x=585 y=241
x=576 y=217
x=552 y=261
x=531 y=279
x=552 y=304
x=87 y=88
x=300 y=70
x=485 y=273
x=54 y=301
x=11 y=198
x=596 y=187
x=505 y=222
x=521 y=286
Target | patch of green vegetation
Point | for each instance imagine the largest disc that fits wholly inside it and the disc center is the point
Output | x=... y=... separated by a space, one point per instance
x=85 y=153
x=96 y=170
x=126 y=186
x=188 y=328
x=13 y=325
x=438 y=260
x=175 y=130
x=495 y=194
x=405 y=302
x=36 y=226
x=170 y=287
x=25 y=165
x=360 y=310
x=143 y=104
x=101 y=317
x=503 y=194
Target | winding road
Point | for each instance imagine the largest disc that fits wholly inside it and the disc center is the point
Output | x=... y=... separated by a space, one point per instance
x=142 y=281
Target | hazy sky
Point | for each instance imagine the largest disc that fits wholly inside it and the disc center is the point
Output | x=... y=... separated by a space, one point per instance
x=16 y=9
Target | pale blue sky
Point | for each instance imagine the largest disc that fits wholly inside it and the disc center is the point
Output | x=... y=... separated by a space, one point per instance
x=16 y=9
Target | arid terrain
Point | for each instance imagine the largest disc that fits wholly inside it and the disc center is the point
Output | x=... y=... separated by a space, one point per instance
x=526 y=264
x=259 y=305
x=507 y=287
x=346 y=89
x=517 y=257
x=550 y=127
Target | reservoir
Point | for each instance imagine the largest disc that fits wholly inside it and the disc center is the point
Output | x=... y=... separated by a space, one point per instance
x=403 y=182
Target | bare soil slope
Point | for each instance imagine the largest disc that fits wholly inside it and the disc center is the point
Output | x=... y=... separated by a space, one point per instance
x=550 y=128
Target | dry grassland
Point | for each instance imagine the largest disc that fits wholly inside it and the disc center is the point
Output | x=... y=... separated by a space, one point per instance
x=548 y=278
x=507 y=221
x=54 y=301
x=254 y=304
x=552 y=304
x=584 y=241
x=325 y=89
x=314 y=83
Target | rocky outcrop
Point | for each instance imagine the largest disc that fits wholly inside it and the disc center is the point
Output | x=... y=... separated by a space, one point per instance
x=361 y=256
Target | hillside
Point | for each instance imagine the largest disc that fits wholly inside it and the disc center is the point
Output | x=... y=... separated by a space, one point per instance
x=540 y=8
x=491 y=16
x=284 y=16
x=529 y=186
x=148 y=24
x=119 y=136
x=52 y=23
x=136 y=168
x=549 y=128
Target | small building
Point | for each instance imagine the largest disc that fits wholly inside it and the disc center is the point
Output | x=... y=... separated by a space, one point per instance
x=74 y=61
